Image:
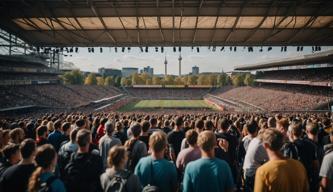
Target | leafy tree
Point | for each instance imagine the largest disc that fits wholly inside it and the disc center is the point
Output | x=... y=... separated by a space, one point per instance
x=169 y=80
x=249 y=79
x=237 y=80
x=191 y=80
x=90 y=79
x=202 y=80
x=156 y=81
x=100 y=81
x=117 y=81
x=178 y=81
x=73 y=77
x=109 y=81
x=137 y=80
x=149 y=82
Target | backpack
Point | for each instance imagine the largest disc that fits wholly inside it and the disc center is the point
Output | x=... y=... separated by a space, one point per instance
x=46 y=186
x=118 y=182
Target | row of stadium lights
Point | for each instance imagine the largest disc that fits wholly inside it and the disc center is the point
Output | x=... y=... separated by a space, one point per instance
x=146 y=49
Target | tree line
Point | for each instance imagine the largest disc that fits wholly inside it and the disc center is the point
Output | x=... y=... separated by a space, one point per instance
x=216 y=80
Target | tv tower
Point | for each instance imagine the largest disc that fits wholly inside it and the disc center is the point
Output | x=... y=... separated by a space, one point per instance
x=165 y=66
x=180 y=64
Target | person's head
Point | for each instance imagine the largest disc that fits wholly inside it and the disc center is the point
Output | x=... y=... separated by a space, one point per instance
x=158 y=142
x=5 y=137
x=28 y=148
x=282 y=125
x=16 y=135
x=46 y=160
x=199 y=125
x=251 y=127
x=166 y=123
x=119 y=126
x=83 y=139
x=145 y=126
x=109 y=128
x=117 y=157
x=209 y=125
x=271 y=122
x=312 y=128
x=206 y=141
x=73 y=135
x=136 y=130
x=179 y=122
x=224 y=124
x=12 y=153
x=295 y=131
x=66 y=128
x=57 y=125
x=191 y=137
x=41 y=132
x=272 y=139
x=50 y=126
x=153 y=122
x=80 y=123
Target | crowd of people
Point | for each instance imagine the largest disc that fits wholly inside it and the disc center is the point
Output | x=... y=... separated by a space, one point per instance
x=269 y=96
x=158 y=152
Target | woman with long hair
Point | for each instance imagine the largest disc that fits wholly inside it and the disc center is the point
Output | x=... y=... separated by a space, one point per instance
x=43 y=177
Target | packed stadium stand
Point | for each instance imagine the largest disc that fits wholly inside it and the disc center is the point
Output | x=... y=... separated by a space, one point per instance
x=301 y=83
x=168 y=93
x=56 y=95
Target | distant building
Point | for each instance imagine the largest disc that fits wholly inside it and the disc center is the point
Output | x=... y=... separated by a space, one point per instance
x=109 y=72
x=128 y=71
x=195 y=70
x=149 y=70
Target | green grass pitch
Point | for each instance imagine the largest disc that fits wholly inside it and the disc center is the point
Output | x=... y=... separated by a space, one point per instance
x=160 y=104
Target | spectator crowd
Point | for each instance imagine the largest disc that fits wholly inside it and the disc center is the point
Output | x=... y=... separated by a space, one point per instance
x=177 y=152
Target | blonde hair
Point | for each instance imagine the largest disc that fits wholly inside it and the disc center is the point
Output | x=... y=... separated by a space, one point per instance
x=206 y=140
x=50 y=126
x=158 y=141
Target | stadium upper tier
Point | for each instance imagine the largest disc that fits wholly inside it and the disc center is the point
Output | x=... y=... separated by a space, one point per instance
x=169 y=23
x=315 y=60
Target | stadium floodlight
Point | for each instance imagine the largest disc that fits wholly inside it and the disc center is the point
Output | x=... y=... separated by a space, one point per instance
x=269 y=48
x=222 y=49
x=116 y=49
x=198 y=49
x=101 y=49
x=162 y=49
x=174 y=49
x=146 y=49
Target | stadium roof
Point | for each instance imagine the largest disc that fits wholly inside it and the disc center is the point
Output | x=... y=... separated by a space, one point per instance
x=316 y=58
x=169 y=22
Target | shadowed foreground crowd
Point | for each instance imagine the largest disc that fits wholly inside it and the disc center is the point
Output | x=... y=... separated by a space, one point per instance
x=188 y=152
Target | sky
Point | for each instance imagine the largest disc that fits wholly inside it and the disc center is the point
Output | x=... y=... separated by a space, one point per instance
x=206 y=60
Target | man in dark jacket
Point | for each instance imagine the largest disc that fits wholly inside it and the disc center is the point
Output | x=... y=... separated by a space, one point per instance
x=84 y=169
